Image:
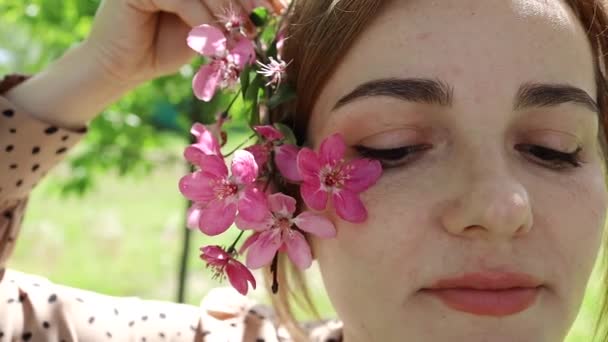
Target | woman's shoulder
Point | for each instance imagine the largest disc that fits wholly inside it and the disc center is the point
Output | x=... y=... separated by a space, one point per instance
x=71 y=314
x=228 y=314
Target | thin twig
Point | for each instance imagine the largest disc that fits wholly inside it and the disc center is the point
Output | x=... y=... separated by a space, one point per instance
x=240 y=145
x=231 y=249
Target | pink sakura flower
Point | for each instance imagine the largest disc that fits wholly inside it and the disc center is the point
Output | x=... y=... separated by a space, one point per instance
x=206 y=144
x=233 y=20
x=217 y=195
x=228 y=60
x=224 y=265
x=275 y=231
x=284 y=154
x=275 y=70
x=327 y=173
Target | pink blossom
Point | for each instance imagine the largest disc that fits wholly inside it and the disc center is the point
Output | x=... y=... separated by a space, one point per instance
x=275 y=231
x=193 y=216
x=233 y=20
x=217 y=195
x=269 y=133
x=206 y=144
x=285 y=157
x=284 y=154
x=275 y=70
x=327 y=173
x=262 y=151
x=224 y=265
x=229 y=58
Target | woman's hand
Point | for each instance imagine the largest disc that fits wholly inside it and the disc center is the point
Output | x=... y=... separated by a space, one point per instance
x=137 y=40
x=132 y=41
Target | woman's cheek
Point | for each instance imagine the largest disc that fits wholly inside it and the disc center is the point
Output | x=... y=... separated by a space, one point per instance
x=394 y=237
x=566 y=233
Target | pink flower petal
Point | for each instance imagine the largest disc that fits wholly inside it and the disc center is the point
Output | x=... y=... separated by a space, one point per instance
x=213 y=167
x=253 y=206
x=205 y=140
x=244 y=168
x=315 y=224
x=269 y=133
x=365 y=173
x=282 y=204
x=206 y=80
x=332 y=149
x=260 y=154
x=262 y=251
x=243 y=53
x=313 y=195
x=214 y=255
x=239 y=276
x=250 y=240
x=194 y=216
x=348 y=206
x=217 y=217
x=285 y=157
x=207 y=40
x=309 y=165
x=193 y=155
x=259 y=226
x=197 y=187
x=298 y=250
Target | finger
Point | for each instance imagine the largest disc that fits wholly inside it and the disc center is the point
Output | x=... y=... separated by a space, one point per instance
x=172 y=52
x=192 y=12
x=249 y=5
x=221 y=8
x=272 y=5
x=277 y=6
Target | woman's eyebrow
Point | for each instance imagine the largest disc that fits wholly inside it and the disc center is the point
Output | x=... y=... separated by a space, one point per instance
x=438 y=92
x=531 y=95
x=421 y=90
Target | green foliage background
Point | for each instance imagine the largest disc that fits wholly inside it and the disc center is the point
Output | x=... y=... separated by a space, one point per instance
x=110 y=218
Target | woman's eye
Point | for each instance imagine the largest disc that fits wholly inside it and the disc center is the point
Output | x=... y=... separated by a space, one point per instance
x=393 y=156
x=552 y=158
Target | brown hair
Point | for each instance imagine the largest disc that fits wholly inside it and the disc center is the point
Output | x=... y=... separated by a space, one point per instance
x=320 y=32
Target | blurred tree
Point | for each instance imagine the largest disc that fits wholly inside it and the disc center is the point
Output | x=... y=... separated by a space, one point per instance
x=132 y=136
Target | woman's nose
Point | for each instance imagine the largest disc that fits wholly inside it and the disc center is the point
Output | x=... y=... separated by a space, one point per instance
x=494 y=205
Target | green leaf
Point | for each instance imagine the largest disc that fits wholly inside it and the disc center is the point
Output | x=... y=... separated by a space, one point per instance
x=283 y=94
x=272 y=50
x=254 y=118
x=268 y=34
x=260 y=16
x=245 y=79
x=290 y=137
x=251 y=100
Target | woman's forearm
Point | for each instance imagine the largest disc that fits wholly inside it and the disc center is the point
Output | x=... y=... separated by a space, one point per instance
x=69 y=92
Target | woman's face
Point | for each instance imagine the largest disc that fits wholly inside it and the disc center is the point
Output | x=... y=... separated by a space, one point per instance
x=506 y=84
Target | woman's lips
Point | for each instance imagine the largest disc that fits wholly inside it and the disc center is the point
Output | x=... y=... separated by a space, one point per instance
x=487 y=293
x=487 y=302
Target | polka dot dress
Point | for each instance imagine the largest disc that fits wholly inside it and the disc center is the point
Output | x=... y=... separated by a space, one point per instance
x=34 y=309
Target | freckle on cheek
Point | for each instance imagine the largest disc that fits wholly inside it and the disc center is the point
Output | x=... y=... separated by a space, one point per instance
x=423 y=36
